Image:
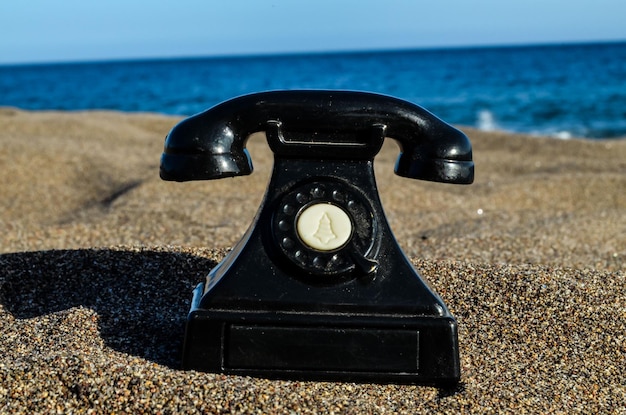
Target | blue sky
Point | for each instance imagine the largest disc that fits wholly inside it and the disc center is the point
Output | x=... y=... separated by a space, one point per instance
x=77 y=30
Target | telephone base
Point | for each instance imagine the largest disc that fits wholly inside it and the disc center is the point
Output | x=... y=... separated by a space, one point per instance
x=361 y=347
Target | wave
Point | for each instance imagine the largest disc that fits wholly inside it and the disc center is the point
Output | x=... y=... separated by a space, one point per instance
x=486 y=121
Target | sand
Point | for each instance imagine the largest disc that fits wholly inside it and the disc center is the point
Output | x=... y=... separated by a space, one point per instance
x=98 y=258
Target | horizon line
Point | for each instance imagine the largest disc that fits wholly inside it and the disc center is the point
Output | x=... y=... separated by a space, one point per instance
x=279 y=54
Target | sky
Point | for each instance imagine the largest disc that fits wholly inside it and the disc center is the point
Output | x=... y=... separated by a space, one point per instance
x=33 y=31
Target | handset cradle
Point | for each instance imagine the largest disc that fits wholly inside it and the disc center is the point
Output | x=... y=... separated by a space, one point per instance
x=318 y=287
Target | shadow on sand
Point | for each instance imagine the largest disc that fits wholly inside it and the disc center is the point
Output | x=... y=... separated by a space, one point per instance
x=141 y=297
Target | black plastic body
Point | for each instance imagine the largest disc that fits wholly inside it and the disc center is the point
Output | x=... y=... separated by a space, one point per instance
x=275 y=307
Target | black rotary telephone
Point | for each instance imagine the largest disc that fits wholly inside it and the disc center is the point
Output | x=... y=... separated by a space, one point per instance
x=318 y=287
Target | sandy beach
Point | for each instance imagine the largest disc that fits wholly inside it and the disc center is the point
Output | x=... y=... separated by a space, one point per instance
x=98 y=257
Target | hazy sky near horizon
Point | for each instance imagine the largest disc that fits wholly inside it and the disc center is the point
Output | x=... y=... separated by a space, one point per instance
x=73 y=30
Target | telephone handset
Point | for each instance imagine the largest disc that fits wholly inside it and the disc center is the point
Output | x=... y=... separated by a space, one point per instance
x=316 y=124
x=318 y=287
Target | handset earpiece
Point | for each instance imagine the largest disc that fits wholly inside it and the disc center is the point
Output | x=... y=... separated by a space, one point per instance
x=435 y=151
x=206 y=146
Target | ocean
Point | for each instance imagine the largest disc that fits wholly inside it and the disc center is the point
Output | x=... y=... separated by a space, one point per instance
x=564 y=91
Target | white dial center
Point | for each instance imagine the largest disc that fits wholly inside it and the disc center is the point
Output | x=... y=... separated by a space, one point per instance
x=324 y=226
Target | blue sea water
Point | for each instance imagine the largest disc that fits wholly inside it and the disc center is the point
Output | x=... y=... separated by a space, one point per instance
x=576 y=90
